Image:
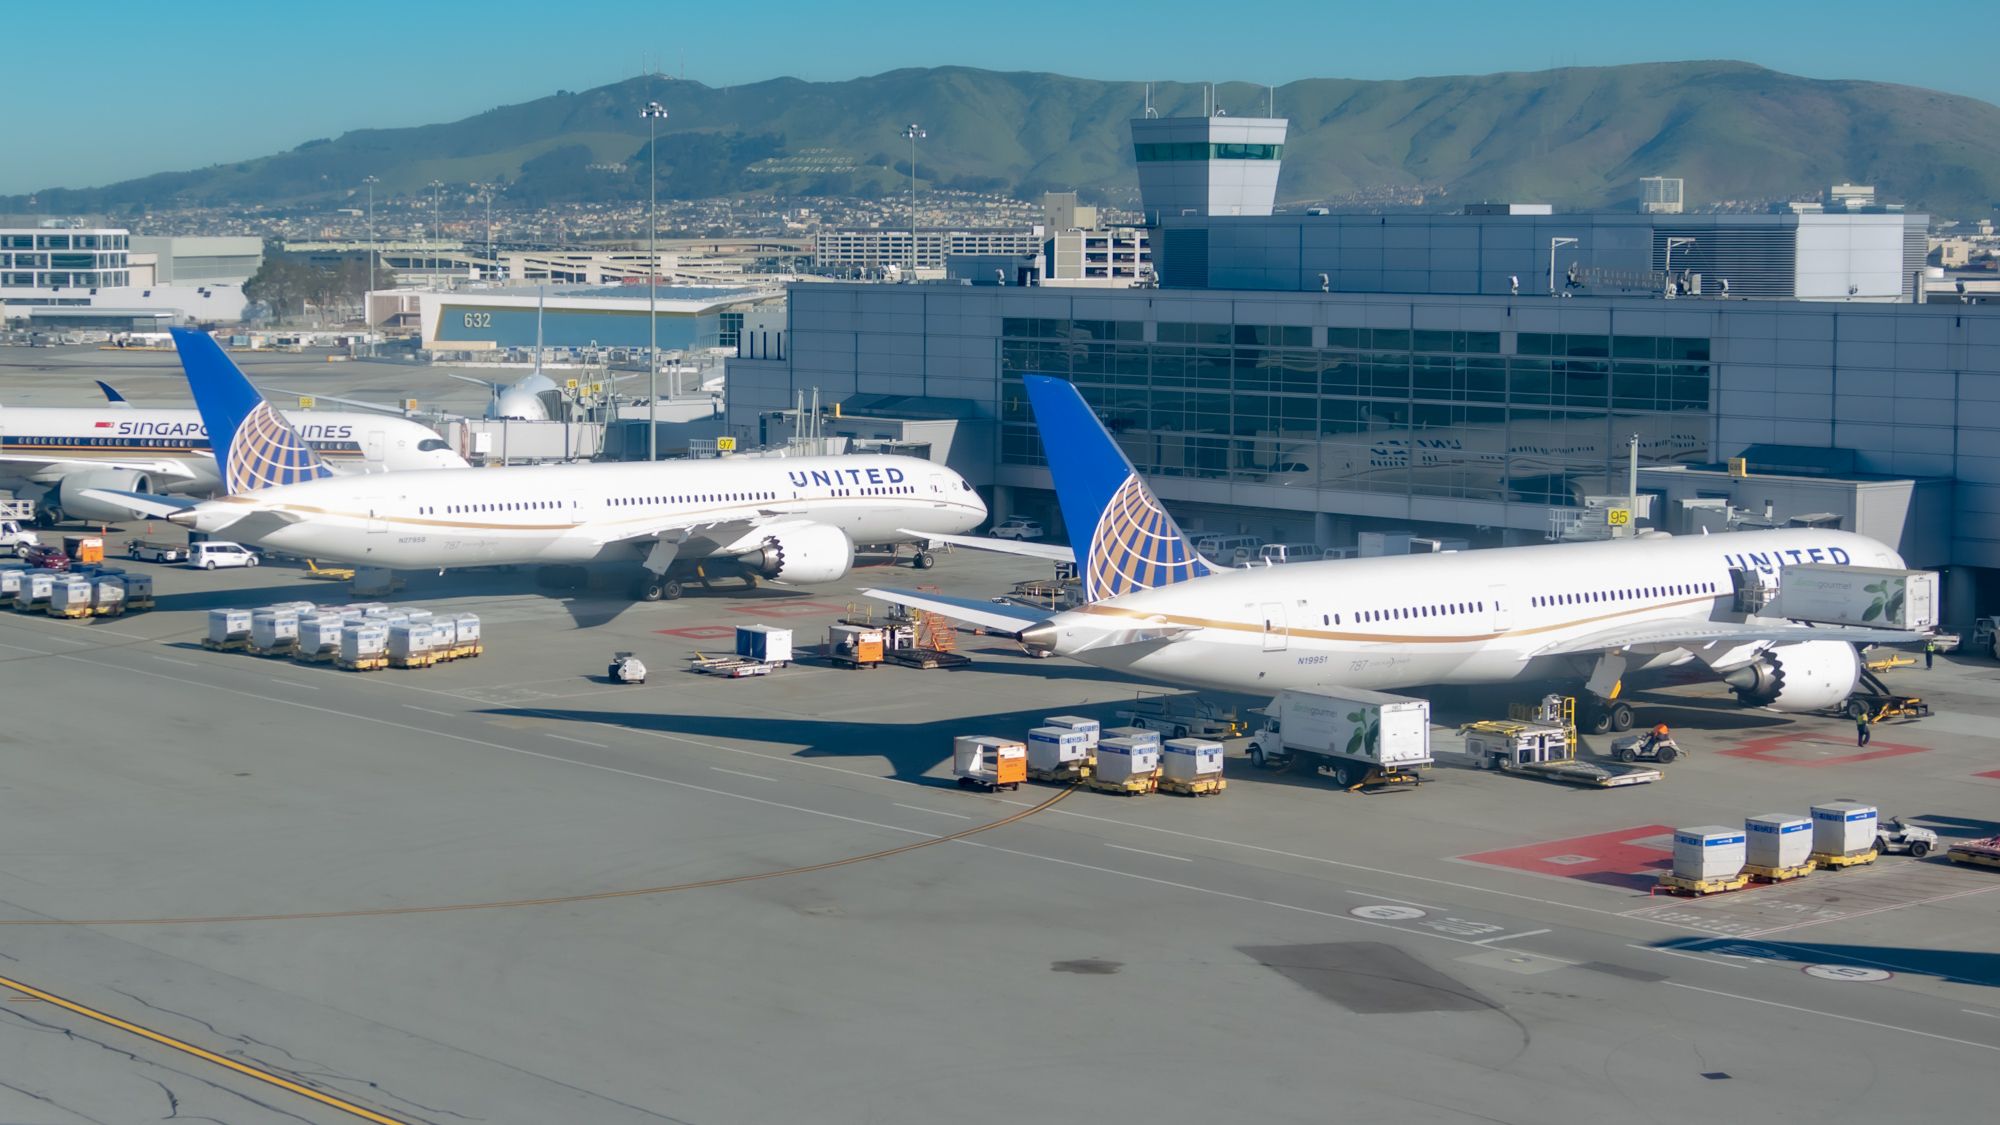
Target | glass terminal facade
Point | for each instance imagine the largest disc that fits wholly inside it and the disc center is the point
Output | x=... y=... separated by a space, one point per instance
x=64 y=259
x=1522 y=417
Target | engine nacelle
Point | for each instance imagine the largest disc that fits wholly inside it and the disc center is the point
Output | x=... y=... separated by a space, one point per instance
x=1805 y=676
x=68 y=493
x=804 y=554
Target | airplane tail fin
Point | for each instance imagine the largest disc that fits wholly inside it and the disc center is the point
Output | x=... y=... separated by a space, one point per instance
x=111 y=394
x=1123 y=539
x=254 y=446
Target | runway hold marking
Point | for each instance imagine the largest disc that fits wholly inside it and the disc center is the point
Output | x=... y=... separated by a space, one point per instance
x=1629 y=859
x=701 y=632
x=1811 y=750
x=204 y=1055
x=790 y=609
x=1850 y=973
x=1382 y=912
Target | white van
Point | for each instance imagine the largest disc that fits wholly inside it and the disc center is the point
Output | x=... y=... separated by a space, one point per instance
x=1277 y=554
x=215 y=553
x=1228 y=550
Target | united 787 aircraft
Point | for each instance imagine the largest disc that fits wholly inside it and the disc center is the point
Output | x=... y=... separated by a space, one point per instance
x=1590 y=612
x=793 y=520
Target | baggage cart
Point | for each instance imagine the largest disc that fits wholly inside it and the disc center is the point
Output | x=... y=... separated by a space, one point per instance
x=982 y=761
x=767 y=643
x=1976 y=853
x=857 y=646
x=728 y=667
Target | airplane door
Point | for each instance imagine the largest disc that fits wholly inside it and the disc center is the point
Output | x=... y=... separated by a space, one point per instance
x=372 y=452
x=1276 y=632
x=1498 y=601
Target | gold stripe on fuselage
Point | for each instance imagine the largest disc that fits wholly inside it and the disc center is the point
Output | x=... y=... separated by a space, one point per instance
x=735 y=511
x=1101 y=609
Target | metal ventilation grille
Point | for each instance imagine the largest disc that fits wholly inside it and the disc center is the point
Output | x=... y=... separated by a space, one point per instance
x=1184 y=258
x=1757 y=262
x=1916 y=248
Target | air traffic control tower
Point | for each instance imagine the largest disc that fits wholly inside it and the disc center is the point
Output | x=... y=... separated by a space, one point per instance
x=1211 y=165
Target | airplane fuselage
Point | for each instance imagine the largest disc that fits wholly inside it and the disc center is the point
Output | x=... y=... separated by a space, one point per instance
x=1471 y=617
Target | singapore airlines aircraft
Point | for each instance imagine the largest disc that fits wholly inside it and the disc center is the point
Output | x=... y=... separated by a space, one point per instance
x=1582 y=611
x=793 y=520
x=54 y=454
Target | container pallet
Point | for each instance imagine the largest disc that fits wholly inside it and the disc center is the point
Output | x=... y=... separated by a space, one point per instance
x=421 y=660
x=927 y=658
x=1835 y=862
x=110 y=610
x=21 y=606
x=366 y=664
x=1199 y=787
x=324 y=656
x=1131 y=786
x=236 y=645
x=279 y=653
x=988 y=786
x=729 y=667
x=1673 y=884
x=72 y=614
x=1764 y=874
x=1068 y=775
x=1979 y=853
x=466 y=652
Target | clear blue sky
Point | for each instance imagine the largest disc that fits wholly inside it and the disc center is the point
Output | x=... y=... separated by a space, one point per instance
x=138 y=87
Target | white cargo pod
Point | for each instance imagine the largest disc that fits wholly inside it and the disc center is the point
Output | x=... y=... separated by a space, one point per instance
x=138 y=590
x=1778 y=840
x=1140 y=735
x=274 y=628
x=10 y=582
x=35 y=587
x=226 y=625
x=320 y=633
x=69 y=594
x=1883 y=597
x=1708 y=853
x=412 y=640
x=107 y=593
x=767 y=643
x=1121 y=758
x=1843 y=828
x=1052 y=748
x=1090 y=728
x=1189 y=759
x=362 y=642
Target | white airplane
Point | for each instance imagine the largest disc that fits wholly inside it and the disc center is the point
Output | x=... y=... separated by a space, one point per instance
x=1564 y=612
x=793 y=520
x=55 y=454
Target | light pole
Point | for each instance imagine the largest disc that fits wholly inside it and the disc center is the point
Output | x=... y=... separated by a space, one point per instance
x=654 y=113
x=488 y=190
x=914 y=133
x=437 y=226
x=1554 y=245
x=371 y=182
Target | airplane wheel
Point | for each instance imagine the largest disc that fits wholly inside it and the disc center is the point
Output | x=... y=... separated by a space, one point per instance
x=1855 y=709
x=1621 y=716
x=1598 y=722
x=671 y=589
x=924 y=560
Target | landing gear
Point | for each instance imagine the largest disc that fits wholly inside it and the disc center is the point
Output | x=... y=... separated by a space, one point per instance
x=654 y=588
x=1621 y=716
x=749 y=580
x=924 y=560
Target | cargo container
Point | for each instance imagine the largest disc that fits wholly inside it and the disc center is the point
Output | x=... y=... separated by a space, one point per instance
x=1708 y=854
x=469 y=638
x=1192 y=766
x=138 y=591
x=1360 y=737
x=1055 y=754
x=857 y=646
x=227 y=627
x=982 y=761
x=10 y=583
x=69 y=596
x=1842 y=829
x=84 y=548
x=1857 y=595
x=413 y=644
x=1778 y=842
x=319 y=636
x=364 y=646
x=34 y=592
x=1126 y=765
x=1090 y=728
x=1141 y=735
x=767 y=643
x=273 y=630
x=107 y=594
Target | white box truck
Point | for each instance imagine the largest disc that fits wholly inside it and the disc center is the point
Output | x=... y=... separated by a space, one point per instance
x=1857 y=595
x=1359 y=737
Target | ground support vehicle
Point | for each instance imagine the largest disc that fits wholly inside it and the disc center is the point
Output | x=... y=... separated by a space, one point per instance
x=729 y=667
x=362 y=663
x=857 y=646
x=626 y=668
x=1653 y=746
x=1893 y=837
x=1873 y=701
x=14 y=536
x=1673 y=884
x=329 y=573
x=155 y=550
x=1764 y=874
x=1360 y=738
x=1176 y=719
x=929 y=643
x=1975 y=853
x=981 y=761
x=1543 y=751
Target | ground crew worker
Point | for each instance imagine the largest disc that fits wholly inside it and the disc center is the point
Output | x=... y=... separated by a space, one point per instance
x=1861 y=732
x=1930 y=654
x=1660 y=734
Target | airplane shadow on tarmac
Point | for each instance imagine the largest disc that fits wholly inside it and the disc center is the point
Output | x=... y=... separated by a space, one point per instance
x=1958 y=966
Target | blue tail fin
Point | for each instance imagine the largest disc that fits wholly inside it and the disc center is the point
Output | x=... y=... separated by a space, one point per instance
x=1123 y=539
x=254 y=446
x=111 y=394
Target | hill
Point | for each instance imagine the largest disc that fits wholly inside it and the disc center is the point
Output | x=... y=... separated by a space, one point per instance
x=1577 y=137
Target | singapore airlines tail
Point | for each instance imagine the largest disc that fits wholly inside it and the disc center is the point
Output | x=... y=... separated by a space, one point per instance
x=254 y=446
x=1123 y=539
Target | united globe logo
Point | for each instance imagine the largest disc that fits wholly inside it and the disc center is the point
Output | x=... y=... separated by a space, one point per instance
x=1136 y=546
x=265 y=452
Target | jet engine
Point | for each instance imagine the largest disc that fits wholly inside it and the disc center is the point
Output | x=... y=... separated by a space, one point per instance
x=1804 y=676
x=68 y=494
x=803 y=554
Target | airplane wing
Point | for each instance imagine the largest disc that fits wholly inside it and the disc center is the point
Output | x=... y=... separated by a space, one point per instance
x=1000 y=617
x=165 y=467
x=357 y=403
x=142 y=503
x=1053 y=551
x=1701 y=634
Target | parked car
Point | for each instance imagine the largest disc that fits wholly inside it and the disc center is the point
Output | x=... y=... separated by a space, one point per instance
x=44 y=557
x=1228 y=550
x=1017 y=527
x=1276 y=554
x=217 y=553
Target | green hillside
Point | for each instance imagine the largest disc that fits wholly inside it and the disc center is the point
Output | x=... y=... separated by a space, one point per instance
x=1577 y=137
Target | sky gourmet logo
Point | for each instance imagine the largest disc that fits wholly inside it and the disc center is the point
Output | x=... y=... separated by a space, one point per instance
x=1136 y=546
x=266 y=453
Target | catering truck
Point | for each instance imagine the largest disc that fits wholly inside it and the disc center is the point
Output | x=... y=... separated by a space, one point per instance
x=1857 y=595
x=1359 y=737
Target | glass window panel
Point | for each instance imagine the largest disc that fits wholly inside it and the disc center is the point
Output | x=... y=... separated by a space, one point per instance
x=1485 y=379
x=1127 y=364
x=1537 y=343
x=1170 y=367
x=1253 y=372
x=1487 y=343
x=1429 y=340
x=1595 y=346
x=1339 y=375
x=1295 y=371
x=1633 y=347
x=1209 y=367
x=1388 y=374
x=1583 y=384
x=1343 y=337
x=1396 y=338
x=1341 y=416
x=1685 y=348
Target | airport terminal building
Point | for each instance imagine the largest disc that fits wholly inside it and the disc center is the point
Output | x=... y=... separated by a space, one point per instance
x=1311 y=377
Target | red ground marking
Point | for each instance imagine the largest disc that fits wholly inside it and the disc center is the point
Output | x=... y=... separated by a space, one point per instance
x=701 y=632
x=1630 y=858
x=1767 y=749
x=790 y=609
x=1995 y=774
